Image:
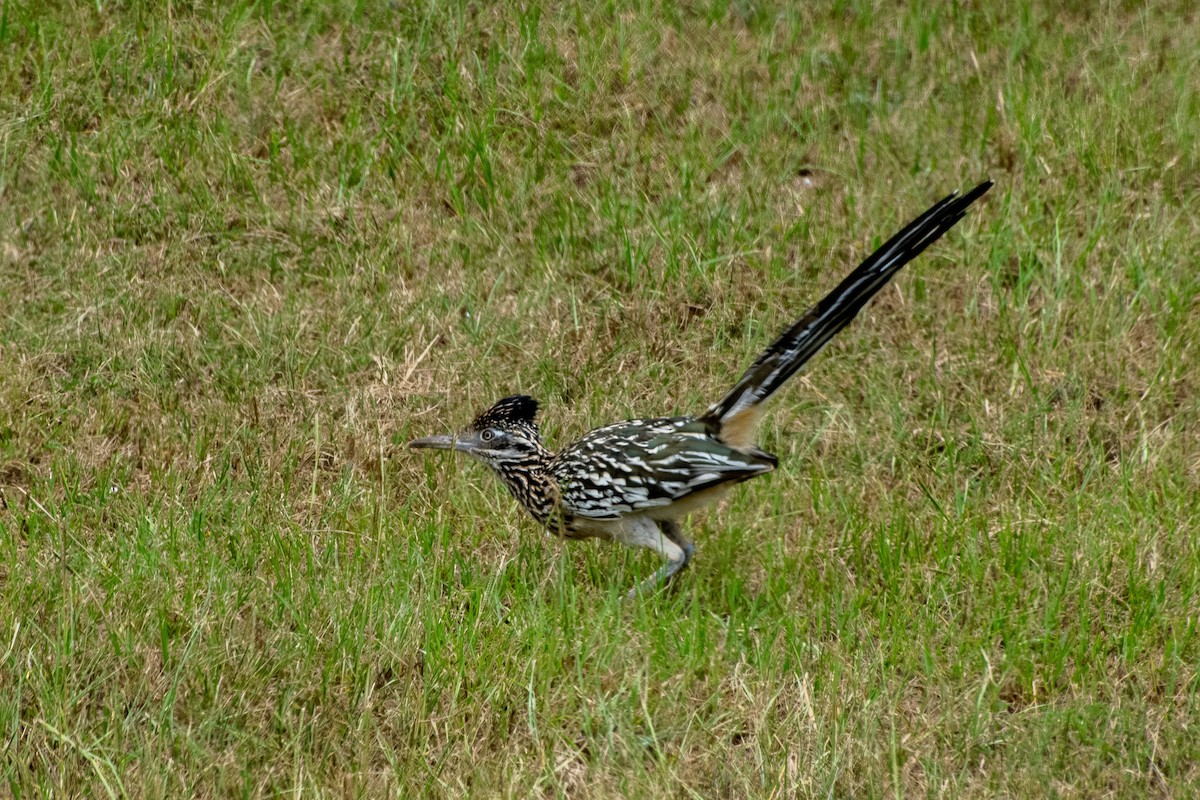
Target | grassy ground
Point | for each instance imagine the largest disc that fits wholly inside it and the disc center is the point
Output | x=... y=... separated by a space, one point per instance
x=247 y=252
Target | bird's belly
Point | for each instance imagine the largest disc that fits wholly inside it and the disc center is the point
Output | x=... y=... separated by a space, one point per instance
x=582 y=528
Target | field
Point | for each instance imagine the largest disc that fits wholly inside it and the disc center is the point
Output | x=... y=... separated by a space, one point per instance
x=248 y=251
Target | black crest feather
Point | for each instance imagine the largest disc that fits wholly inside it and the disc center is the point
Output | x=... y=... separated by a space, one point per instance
x=519 y=409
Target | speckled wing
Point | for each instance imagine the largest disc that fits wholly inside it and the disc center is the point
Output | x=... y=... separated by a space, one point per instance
x=643 y=464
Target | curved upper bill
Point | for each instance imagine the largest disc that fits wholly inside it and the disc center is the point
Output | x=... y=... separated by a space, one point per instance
x=439 y=443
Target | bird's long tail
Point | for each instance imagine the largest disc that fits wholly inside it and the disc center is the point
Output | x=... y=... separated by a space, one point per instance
x=736 y=414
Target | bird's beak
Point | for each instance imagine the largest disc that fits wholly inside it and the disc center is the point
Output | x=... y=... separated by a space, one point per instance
x=440 y=443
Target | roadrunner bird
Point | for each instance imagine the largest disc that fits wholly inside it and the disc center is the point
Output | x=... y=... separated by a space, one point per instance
x=635 y=481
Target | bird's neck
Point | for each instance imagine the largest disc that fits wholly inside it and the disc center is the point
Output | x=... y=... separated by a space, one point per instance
x=530 y=482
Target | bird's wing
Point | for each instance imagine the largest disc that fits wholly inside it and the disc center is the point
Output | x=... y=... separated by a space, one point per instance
x=647 y=463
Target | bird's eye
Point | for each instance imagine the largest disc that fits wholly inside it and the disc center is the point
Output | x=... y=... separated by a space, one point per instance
x=488 y=435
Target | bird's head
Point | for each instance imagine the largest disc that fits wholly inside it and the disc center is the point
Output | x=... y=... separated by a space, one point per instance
x=504 y=434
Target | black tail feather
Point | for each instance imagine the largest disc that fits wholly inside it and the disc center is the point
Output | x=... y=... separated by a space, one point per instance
x=810 y=333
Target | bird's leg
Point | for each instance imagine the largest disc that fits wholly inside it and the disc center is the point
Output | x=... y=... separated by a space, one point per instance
x=672 y=545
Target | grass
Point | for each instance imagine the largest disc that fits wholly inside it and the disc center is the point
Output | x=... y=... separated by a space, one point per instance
x=247 y=251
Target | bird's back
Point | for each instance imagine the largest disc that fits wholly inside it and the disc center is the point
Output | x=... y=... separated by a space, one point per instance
x=645 y=464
